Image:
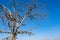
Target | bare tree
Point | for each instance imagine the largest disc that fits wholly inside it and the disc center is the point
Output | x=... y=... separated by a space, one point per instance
x=15 y=20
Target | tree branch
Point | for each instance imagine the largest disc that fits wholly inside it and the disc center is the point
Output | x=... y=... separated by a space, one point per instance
x=9 y=25
x=1 y=31
x=24 y=32
x=6 y=10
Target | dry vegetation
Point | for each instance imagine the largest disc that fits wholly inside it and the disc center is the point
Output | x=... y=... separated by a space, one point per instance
x=15 y=20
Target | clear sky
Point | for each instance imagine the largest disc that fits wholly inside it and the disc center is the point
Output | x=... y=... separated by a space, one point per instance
x=47 y=29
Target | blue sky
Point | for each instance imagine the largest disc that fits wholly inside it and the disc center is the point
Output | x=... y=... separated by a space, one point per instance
x=48 y=28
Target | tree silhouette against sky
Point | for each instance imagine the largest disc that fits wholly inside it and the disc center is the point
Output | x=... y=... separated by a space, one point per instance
x=21 y=12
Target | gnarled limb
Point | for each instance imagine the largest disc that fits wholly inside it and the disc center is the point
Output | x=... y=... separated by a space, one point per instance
x=2 y=31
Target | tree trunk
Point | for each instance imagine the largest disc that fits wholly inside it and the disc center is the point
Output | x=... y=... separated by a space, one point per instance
x=13 y=34
x=13 y=37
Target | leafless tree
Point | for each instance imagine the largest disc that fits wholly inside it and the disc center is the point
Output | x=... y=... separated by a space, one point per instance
x=15 y=20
